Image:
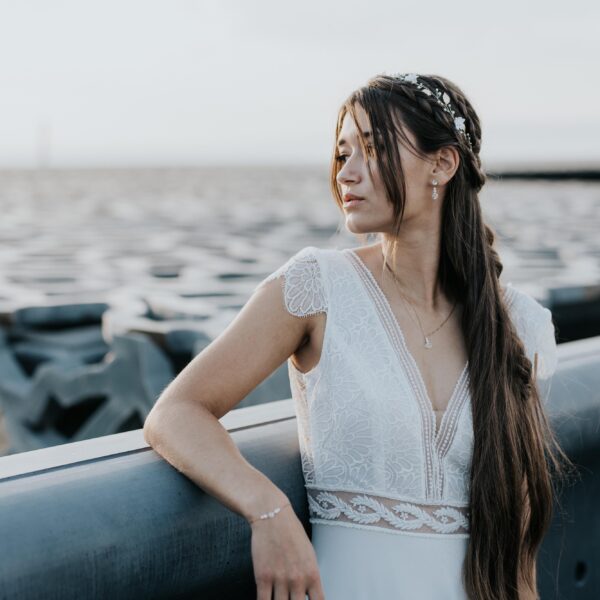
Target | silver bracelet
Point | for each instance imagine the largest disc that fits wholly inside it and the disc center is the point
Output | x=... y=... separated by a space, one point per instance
x=270 y=515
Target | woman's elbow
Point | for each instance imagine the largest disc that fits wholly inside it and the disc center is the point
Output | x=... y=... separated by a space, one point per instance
x=151 y=425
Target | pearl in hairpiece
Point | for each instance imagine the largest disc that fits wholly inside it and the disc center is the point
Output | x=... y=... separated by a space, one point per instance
x=442 y=98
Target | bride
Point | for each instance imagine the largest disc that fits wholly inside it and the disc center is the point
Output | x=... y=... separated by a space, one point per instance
x=418 y=378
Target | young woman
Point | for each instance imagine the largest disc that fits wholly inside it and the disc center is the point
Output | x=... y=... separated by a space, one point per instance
x=419 y=379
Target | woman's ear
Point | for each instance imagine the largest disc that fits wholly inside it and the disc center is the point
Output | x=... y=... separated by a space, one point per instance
x=446 y=165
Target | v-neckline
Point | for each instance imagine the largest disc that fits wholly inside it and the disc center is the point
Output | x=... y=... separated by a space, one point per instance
x=436 y=441
x=414 y=372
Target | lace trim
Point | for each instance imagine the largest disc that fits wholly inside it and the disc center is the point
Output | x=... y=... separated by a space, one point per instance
x=449 y=427
x=302 y=284
x=383 y=512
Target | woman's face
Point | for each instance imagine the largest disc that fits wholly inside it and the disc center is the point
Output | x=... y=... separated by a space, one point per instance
x=374 y=212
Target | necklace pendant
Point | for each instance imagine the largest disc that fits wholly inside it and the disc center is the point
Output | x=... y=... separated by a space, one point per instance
x=427 y=342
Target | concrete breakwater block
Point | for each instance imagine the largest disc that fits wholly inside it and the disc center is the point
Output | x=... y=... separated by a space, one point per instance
x=15 y=386
x=67 y=333
x=176 y=328
x=32 y=356
x=274 y=387
x=34 y=347
x=59 y=316
x=70 y=402
x=14 y=297
x=576 y=310
x=14 y=382
x=171 y=308
x=181 y=339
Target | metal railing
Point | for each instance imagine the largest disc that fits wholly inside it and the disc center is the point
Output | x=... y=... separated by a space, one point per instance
x=109 y=518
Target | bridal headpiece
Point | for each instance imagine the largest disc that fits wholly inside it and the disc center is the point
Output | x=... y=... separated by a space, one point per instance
x=442 y=98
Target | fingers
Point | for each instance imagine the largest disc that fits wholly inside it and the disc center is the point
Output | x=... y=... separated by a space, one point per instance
x=298 y=592
x=283 y=591
x=264 y=590
x=300 y=595
x=315 y=591
x=285 y=570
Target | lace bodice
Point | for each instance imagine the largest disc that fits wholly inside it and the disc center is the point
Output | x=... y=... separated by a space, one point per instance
x=373 y=453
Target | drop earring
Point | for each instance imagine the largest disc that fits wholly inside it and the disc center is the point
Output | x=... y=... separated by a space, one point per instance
x=434 y=193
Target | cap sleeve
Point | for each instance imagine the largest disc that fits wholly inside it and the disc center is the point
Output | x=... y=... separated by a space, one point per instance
x=536 y=329
x=302 y=283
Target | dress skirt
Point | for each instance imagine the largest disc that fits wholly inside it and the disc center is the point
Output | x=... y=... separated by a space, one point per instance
x=366 y=564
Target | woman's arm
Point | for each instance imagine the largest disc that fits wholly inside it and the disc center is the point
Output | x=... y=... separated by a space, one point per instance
x=183 y=426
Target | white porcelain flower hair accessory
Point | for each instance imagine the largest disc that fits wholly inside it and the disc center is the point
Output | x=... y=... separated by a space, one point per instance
x=442 y=98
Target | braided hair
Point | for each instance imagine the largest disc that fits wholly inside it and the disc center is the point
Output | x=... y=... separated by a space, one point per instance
x=511 y=491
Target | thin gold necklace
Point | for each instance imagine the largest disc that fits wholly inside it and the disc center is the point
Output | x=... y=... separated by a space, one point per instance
x=426 y=337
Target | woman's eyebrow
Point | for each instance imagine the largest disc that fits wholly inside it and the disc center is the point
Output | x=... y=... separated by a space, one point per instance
x=366 y=134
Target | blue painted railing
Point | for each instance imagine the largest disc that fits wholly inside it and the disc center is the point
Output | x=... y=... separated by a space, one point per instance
x=109 y=518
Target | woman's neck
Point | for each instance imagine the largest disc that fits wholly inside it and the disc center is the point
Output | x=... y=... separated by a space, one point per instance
x=415 y=263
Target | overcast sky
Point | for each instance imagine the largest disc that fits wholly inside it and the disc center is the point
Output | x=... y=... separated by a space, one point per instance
x=189 y=82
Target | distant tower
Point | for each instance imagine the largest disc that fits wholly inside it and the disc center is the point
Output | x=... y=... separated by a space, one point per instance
x=43 y=144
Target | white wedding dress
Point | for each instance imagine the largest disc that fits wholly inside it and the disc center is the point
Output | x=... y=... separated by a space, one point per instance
x=387 y=482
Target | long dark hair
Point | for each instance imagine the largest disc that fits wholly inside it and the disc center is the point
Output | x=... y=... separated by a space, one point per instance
x=515 y=453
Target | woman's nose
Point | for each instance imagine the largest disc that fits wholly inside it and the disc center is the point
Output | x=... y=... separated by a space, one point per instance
x=348 y=174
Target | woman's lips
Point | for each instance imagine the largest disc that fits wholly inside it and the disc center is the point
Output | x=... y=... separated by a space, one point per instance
x=351 y=200
x=351 y=203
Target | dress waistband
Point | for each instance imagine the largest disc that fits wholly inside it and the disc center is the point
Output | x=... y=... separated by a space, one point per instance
x=365 y=509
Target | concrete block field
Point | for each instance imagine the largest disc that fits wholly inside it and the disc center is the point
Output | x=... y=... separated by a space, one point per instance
x=112 y=280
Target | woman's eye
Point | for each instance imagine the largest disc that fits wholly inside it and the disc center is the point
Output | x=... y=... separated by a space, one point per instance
x=342 y=157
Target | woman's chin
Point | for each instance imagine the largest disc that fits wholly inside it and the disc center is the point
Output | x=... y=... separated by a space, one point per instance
x=353 y=228
x=356 y=227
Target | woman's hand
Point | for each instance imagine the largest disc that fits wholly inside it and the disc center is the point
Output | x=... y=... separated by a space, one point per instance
x=284 y=560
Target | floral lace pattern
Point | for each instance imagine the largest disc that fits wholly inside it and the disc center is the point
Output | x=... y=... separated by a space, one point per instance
x=371 y=510
x=302 y=284
x=363 y=418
